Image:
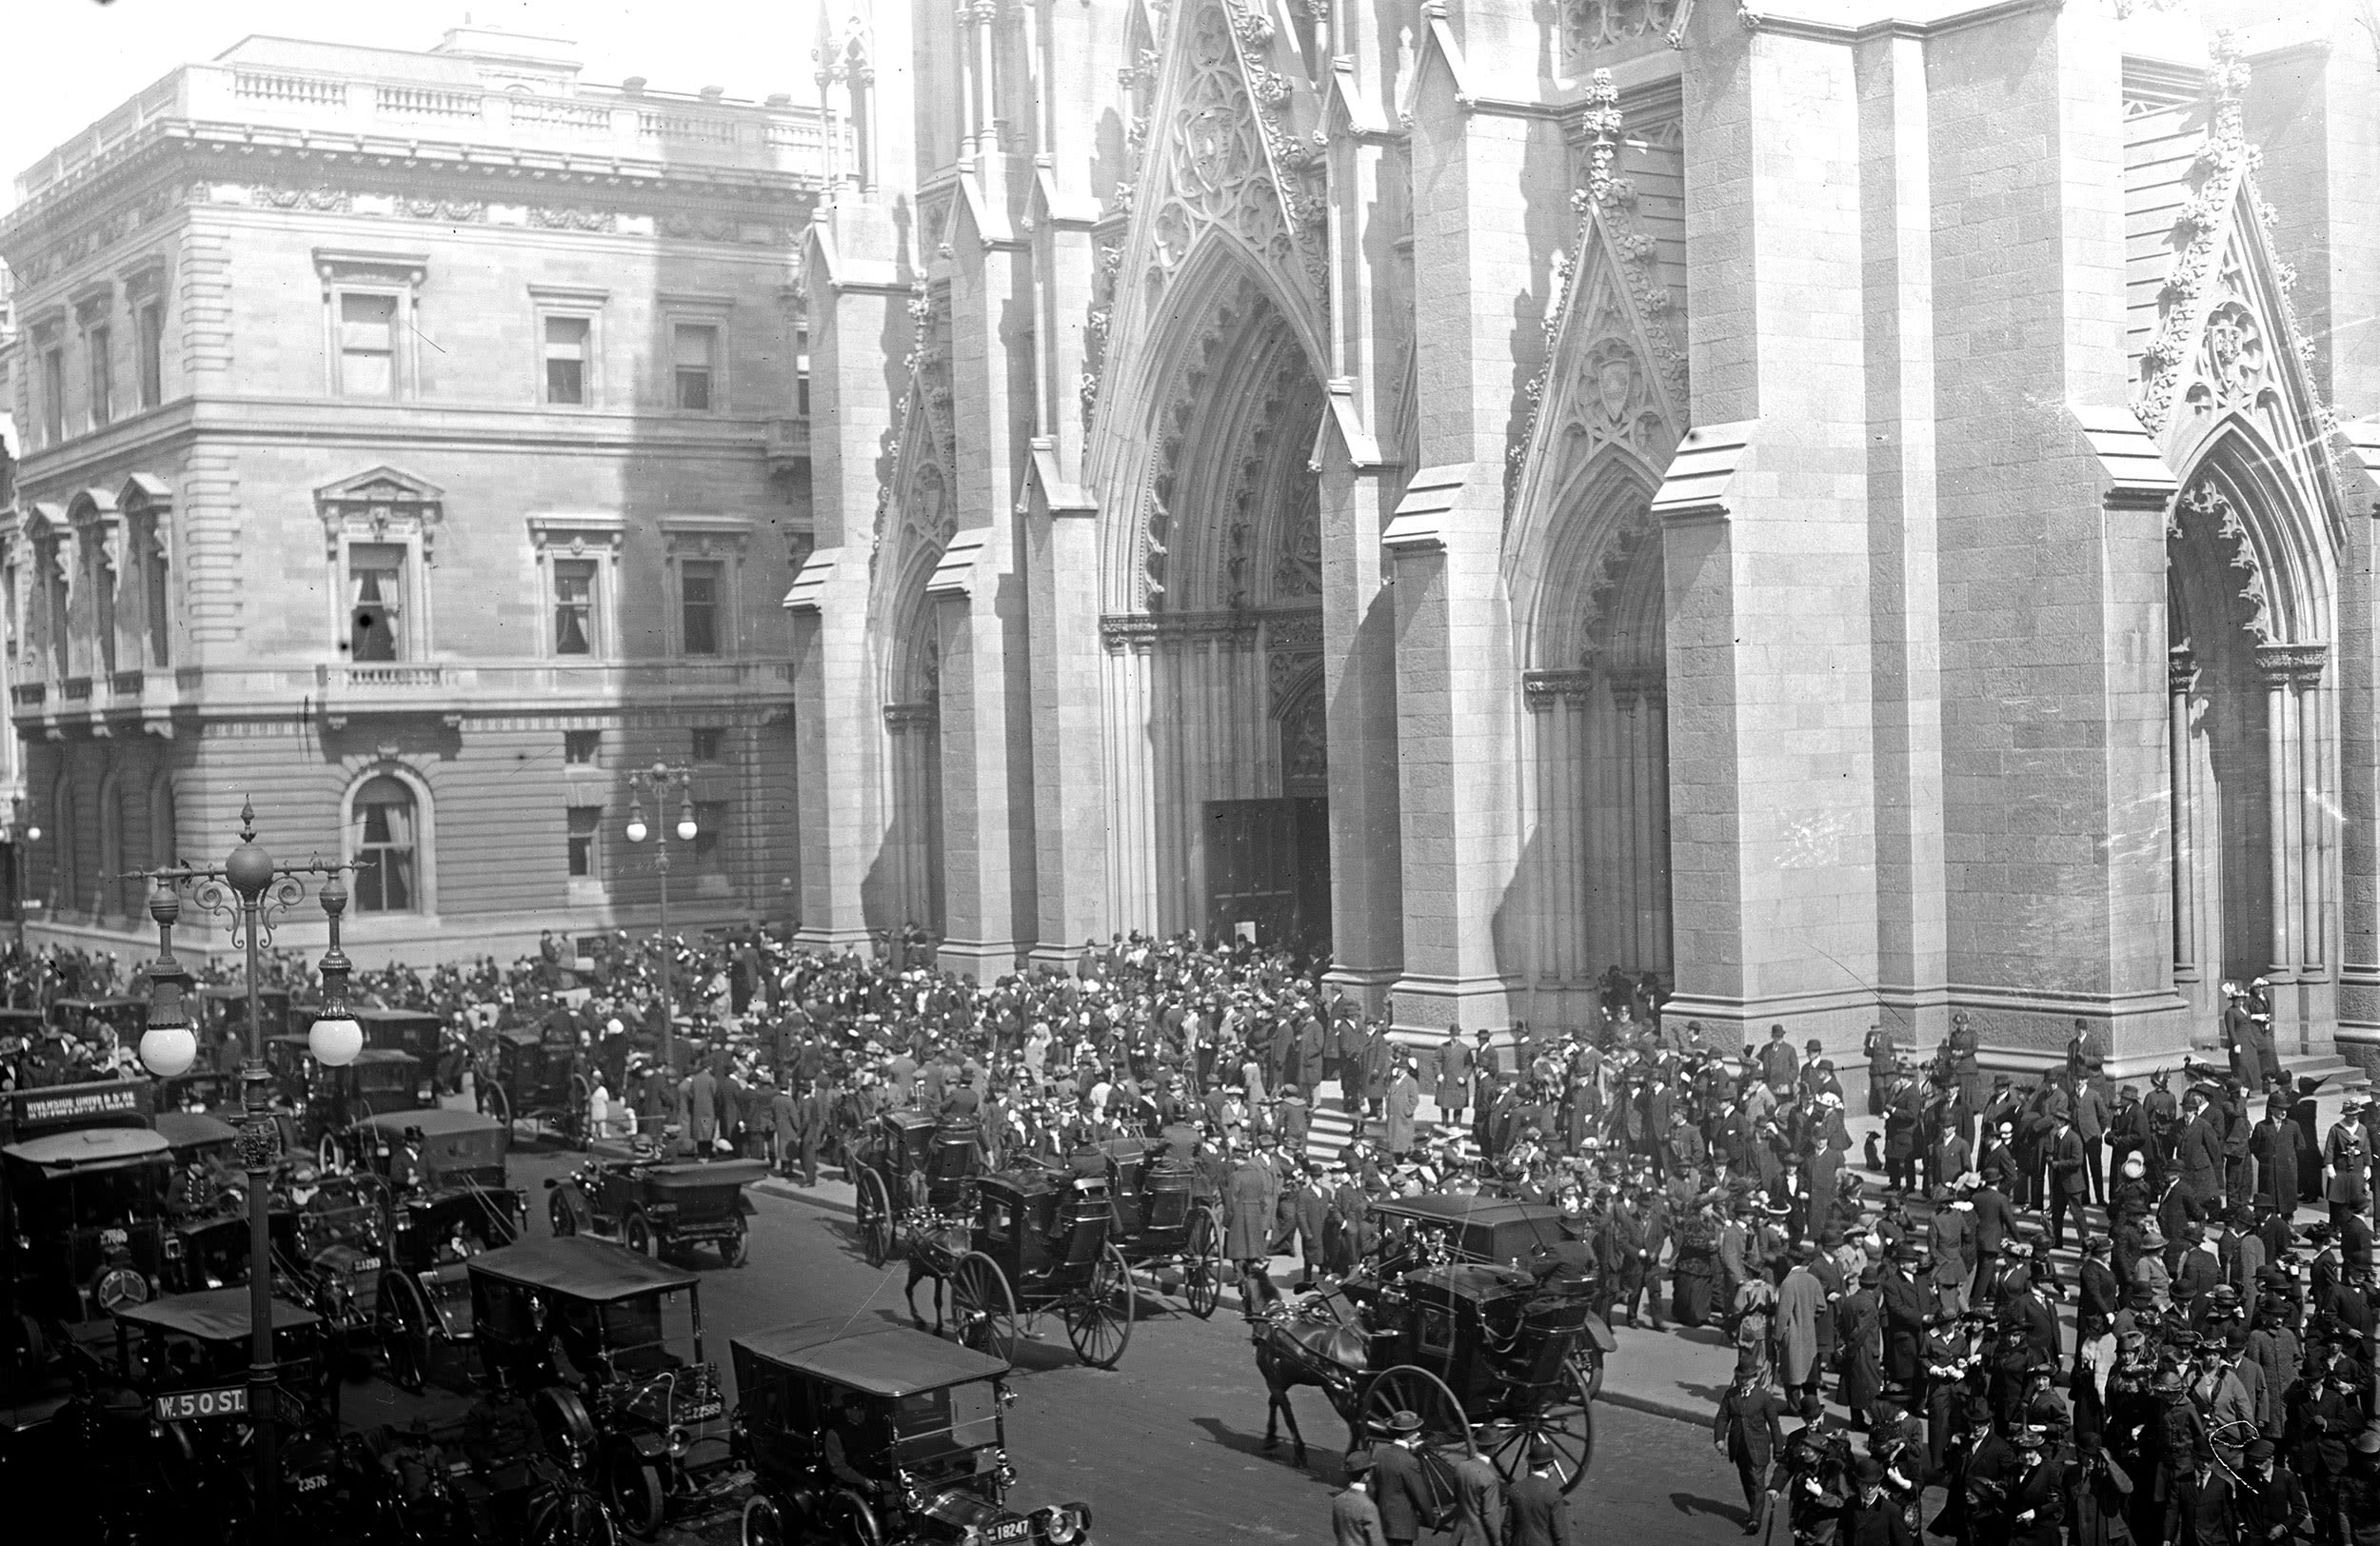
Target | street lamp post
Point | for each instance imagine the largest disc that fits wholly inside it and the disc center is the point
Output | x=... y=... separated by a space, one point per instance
x=253 y=892
x=659 y=780
x=22 y=831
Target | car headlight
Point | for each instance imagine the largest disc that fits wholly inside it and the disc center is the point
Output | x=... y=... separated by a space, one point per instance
x=1064 y=1525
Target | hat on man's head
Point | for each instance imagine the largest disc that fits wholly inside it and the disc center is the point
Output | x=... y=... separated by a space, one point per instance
x=1404 y=1422
x=1358 y=1462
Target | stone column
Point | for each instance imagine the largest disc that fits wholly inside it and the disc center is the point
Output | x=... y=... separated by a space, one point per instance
x=857 y=261
x=2280 y=745
x=2181 y=671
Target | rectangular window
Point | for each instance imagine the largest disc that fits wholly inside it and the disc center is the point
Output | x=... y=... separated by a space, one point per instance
x=709 y=745
x=698 y=607
x=53 y=396
x=156 y=577
x=581 y=747
x=566 y=359
x=801 y=372
x=152 y=346
x=368 y=345
x=102 y=376
x=693 y=348
x=710 y=822
x=375 y=602
x=574 y=606
x=587 y=822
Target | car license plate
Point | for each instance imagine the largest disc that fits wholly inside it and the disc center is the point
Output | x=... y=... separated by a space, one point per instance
x=367 y=1264
x=1011 y=1529
x=701 y=1414
x=182 y=1405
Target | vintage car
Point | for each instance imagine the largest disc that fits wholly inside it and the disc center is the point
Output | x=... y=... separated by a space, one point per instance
x=322 y=1103
x=447 y=1200
x=418 y=1033
x=85 y=1227
x=80 y=1017
x=525 y=1076
x=883 y=1435
x=221 y=1013
x=610 y=1345
x=186 y=1357
x=205 y=1239
x=654 y=1205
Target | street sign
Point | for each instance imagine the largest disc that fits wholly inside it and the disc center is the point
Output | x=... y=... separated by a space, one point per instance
x=183 y=1405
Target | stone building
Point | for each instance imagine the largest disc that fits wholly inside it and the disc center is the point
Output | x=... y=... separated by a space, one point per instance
x=1842 y=508
x=411 y=442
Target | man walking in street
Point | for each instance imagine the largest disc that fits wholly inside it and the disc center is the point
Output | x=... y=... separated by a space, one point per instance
x=1399 y=1485
x=1749 y=1430
x=1536 y=1511
x=1479 y=1502
x=1354 y=1518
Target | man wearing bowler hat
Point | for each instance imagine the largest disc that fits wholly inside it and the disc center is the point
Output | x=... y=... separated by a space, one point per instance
x=1398 y=1485
x=1354 y=1518
x=1535 y=1511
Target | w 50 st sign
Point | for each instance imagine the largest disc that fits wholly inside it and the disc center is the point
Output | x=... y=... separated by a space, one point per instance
x=183 y=1405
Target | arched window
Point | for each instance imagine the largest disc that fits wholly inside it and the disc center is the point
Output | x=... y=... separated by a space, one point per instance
x=386 y=823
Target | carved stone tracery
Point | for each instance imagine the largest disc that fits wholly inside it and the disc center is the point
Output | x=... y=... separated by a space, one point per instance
x=2207 y=503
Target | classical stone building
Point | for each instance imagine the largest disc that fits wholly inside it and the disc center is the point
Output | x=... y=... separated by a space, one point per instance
x=1843 y=507
x=412 y=443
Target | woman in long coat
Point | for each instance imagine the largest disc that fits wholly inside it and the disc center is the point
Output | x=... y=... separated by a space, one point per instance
x=1860 y=1349
x=1798 y=1300
x=1694 y=1283
x=1403 y=1103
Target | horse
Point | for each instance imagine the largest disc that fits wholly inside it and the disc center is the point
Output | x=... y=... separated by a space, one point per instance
x=1317 y=1343
x=933 y=1245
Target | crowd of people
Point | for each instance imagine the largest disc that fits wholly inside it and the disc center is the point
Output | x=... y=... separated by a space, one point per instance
x=2217 y=1385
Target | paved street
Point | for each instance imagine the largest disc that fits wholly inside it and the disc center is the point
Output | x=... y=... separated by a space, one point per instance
x=1165 y=1447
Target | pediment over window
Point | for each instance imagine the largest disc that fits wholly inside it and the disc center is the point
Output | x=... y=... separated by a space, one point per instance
x=381 y=505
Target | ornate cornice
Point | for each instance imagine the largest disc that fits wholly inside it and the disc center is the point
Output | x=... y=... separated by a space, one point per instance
x=902 y=717
x=1649 y=683
x=2284 y=666
x=2181 y=669
x=1145 y=631
x=1541 y=690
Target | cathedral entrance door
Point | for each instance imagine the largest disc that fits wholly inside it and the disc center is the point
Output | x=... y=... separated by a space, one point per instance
x=1268 y=864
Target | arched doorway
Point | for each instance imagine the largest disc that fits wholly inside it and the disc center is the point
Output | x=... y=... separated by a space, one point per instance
x=2254 y=747
x=1213 y=624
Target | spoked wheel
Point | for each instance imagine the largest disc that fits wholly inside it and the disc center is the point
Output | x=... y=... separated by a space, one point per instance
x=762 y=1524
x=636 y=1494
x=1566 y=1422
x=494 y=1102
x=402 y=1323
x=1202 y=1264
x=851 y=1522
x=576 y=1518
x=562 y=1215
x=637 y=1235
x=1590 y=1361
x=1099 y=1323
x=983 y=1307
x=1407 y=1388
x=876 y=1219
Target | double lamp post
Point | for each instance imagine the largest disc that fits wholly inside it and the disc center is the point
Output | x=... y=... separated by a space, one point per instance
x=658 y=781
x=254 y=893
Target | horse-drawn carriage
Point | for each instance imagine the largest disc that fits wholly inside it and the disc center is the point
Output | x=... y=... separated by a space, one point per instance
x=525 y=1075
x=1040 y=1239
x=907 y=1165
x=1160 y=1222
x=1490 y=1357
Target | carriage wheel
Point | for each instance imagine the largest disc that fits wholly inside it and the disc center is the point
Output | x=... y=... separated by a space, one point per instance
x=573 y=1124
x=1407 y=1388
x=1202 y=1264
x=1590 y=1363
x=636 y=1494
x=762 y=1524
x=562 y=1215
x=1099 y=1323
x=981 y=1306
x=495 y=1102
x=1566 y=1422
x=876 y=1219
x=576 y=1518
x=403 y=1322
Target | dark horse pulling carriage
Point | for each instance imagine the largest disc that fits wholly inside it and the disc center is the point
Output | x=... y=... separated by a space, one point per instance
x=1490 y=1357
x=1039 y=1240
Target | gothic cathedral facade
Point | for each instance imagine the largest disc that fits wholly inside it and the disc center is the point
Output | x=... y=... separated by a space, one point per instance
x=1858 y=517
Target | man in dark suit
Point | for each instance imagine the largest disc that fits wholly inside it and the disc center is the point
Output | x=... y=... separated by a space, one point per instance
x=1536 y=1513
x=1995 y=1224
x=2069 y=1181
x=1398 y=1483
x=1749 y=1429
x=1908 y=1302
x=2197 y=1152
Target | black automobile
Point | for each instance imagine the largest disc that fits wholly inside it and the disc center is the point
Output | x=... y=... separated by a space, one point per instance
x=884 y=1436
x=657 y=1206
x=85 y=1226
x=610 y=1344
